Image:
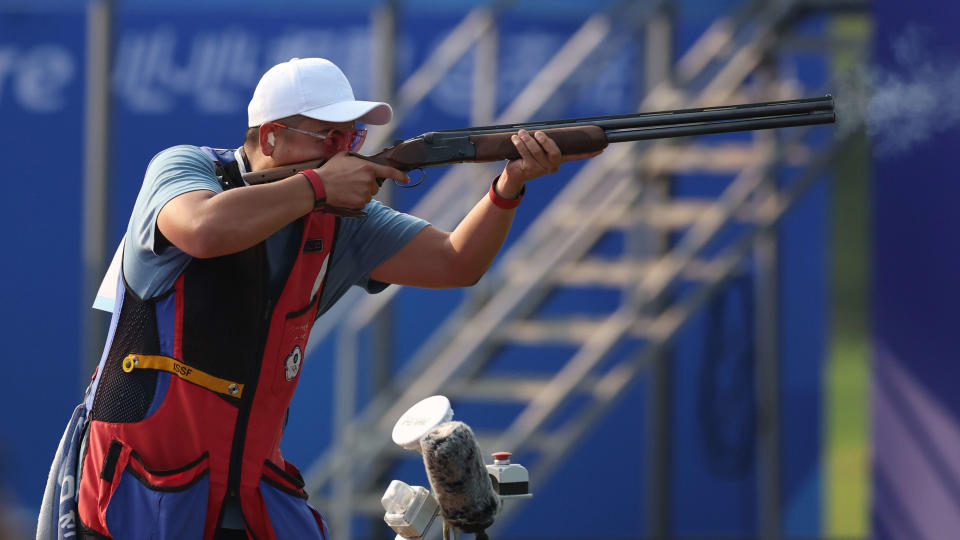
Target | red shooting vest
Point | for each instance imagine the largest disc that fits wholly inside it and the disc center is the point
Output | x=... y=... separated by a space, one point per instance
x=190 y=404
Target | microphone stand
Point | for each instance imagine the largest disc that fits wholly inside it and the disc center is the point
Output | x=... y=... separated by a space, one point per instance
x=411 y=510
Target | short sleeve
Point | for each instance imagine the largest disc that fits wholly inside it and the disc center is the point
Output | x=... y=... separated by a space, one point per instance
x=150 y=270
x=362 y=244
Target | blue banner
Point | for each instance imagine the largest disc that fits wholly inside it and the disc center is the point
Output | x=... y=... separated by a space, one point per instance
x=185 y=78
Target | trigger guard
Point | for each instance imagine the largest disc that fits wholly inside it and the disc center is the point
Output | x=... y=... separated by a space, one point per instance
x=423 y=176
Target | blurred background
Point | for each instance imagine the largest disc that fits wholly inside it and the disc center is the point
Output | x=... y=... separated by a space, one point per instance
x=730 y=336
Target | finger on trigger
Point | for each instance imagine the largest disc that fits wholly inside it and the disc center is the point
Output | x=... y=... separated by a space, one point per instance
x=386 y=171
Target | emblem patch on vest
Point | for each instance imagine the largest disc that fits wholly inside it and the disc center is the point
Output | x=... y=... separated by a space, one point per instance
x=313 y=244
x=292 y=363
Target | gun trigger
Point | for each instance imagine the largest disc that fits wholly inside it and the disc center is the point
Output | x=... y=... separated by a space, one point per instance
x=423 y=176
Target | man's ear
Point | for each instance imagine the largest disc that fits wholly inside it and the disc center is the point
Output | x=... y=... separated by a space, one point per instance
x=268 y=138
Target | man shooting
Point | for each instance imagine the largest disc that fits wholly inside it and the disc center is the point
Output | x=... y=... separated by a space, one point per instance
x=221 y=283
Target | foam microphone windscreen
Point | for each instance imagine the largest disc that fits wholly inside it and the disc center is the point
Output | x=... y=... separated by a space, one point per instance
x=458 y=477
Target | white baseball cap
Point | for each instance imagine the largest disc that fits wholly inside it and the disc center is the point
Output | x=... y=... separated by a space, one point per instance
x=313 y=87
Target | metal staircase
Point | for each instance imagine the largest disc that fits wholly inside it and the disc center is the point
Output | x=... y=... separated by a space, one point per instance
x=621 y=190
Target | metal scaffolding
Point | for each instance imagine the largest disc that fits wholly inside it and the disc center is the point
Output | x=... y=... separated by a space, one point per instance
x=626 y=189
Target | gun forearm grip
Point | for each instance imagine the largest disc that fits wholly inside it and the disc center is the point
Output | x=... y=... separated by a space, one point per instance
x=570 y=140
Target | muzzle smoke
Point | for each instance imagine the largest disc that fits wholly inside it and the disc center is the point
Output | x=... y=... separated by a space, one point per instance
x=905 y=104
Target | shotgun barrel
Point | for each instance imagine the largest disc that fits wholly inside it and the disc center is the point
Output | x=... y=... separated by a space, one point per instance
x=661 y=118
x=582 y=135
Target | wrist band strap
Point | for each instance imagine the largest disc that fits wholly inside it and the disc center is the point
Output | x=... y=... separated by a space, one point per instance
x=500 y=202
x=319 y=192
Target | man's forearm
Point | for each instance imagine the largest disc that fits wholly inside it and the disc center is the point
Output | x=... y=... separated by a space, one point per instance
x=212 y=225
x=439 y=259
x=479 y=236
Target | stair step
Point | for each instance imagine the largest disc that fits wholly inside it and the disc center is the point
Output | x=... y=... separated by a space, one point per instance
x=669 y=215
x=563 y=331
x=727 y=158
x=519 y=388
x=571 y=331
x=616 y=272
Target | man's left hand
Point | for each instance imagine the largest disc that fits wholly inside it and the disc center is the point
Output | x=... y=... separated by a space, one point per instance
x=539 y=155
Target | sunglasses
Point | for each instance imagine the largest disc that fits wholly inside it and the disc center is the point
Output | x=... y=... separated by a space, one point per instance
x=334 y=138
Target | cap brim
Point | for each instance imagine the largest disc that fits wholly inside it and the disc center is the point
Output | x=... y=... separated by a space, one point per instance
x=368 y=112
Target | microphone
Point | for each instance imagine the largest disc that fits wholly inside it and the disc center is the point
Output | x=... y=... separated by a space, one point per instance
x=459 y=477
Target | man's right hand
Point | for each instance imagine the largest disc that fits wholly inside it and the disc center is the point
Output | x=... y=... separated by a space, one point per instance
x=207 y=224
x=350 y=181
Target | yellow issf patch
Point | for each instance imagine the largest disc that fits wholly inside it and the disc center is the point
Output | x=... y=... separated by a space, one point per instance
x=185 y=372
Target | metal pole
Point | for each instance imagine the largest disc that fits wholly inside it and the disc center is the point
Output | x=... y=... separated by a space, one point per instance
x=658 y=62
x=767 y=343
x=483 y=107
x=768 y=382
x=345 y=374
x=96 y=178
x=384 y=29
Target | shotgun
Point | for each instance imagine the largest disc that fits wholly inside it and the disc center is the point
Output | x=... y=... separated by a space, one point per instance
x=577 y=135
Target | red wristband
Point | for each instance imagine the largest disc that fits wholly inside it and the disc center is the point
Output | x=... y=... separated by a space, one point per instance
x=500 y=202
x=319 y=192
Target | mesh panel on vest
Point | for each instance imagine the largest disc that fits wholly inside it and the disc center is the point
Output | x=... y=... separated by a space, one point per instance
x=224 y=317
x=126 y=397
